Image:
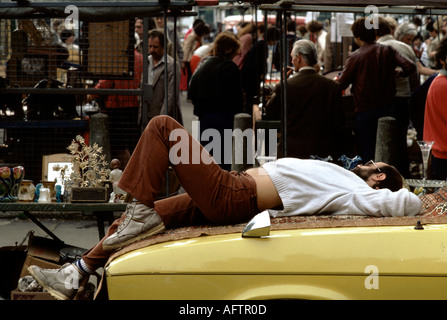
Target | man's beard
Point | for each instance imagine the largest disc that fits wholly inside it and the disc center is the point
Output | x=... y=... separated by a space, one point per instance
x=362 y=172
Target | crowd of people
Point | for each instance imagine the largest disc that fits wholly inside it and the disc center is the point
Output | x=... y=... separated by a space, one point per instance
x=395 y=84
x=380 y=72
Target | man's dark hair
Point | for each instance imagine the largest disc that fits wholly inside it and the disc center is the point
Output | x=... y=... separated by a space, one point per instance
x=157 y=34
x=196 y=22
x=384 y=28
x=201 y=29
x=359 y=30
x=291 y=26
x=431 y=27
x=272 y=34
x=258 y=28
x=314 y=26
x=393 y=180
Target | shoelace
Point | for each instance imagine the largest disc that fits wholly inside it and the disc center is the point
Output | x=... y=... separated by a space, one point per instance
x=127 y=219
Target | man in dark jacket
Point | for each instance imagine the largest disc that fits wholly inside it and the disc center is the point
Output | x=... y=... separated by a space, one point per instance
x=372 y=71
x=216 y=92
x=314 y=108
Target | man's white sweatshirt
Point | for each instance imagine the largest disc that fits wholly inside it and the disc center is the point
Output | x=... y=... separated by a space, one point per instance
x=317 y=187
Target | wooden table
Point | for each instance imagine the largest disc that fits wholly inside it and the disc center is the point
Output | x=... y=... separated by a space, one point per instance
x=102 y=211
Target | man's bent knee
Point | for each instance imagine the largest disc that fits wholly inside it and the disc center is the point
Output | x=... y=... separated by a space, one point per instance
x=160 y=121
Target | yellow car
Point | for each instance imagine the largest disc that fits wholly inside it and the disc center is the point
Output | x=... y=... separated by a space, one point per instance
x=313 y=257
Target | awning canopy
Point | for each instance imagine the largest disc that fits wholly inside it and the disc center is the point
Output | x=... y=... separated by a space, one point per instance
x=90 y=10
x=116 y=9
x=383 y=6
x=364 y=3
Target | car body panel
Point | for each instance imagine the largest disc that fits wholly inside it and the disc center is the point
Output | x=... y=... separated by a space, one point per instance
x=267 y=287
x=320 y=263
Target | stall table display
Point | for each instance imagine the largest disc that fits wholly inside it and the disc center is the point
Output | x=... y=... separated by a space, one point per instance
x=426 y=186
x=102 y=211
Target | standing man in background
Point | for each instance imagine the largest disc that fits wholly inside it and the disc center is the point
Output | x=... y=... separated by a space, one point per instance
x=157 y=65
x=371 y=70
x=314 y=108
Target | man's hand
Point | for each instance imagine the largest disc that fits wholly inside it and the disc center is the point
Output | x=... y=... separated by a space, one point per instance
x=290 y=71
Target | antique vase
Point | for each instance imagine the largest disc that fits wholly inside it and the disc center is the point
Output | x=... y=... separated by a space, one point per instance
x=10 y=179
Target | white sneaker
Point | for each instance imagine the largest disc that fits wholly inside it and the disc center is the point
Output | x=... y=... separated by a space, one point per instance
x=62 y=283
x=140 y=222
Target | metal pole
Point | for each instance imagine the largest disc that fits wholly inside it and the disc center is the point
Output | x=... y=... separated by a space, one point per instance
x=283 y=40
x=176 y=87
x=165 y=54
x=264 y=66
x=146 y=95
x=166 y=82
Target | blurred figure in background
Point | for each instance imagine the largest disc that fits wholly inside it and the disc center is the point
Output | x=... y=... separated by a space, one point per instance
x=317 y=36
x=193 y=42
x=245 y=34
x=371 y=70
x=216 y=92
x=436 y=115
x=314 y=109
x=254 y=68
x=157 y=65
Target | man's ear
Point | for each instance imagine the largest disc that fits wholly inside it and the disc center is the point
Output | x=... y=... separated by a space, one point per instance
x=381 y=176
x=374 y=180
x=377 y=177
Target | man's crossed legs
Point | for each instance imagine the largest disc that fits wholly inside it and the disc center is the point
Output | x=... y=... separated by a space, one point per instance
x=213 y=196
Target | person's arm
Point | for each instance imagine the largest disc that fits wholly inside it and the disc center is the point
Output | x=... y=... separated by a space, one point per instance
x=188 y=48
x=424 y=70
x=385 y=203
x=273 y=106
x=348 y=74
x=172 y=100
x=408 y=67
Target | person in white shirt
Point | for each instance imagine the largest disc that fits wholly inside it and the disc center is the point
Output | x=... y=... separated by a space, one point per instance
x=317 y=187
x=286 y=187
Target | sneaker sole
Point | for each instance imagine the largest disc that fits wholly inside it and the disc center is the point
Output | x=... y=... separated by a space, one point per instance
x=56 y=294
x=155 y=230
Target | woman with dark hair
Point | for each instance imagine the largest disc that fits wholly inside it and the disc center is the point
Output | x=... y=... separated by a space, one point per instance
x=216 y=91
x=436 y=115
